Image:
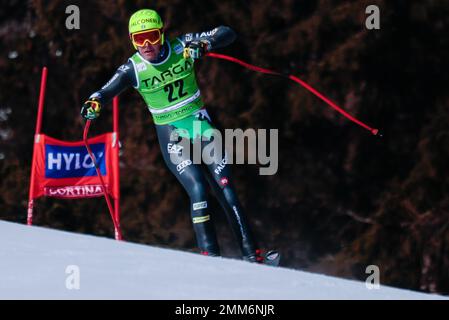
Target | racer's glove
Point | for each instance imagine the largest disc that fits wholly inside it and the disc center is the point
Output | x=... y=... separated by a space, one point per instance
x=91 y=109
x=196 y=49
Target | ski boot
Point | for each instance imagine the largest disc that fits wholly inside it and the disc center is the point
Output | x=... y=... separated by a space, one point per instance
x=271 y=258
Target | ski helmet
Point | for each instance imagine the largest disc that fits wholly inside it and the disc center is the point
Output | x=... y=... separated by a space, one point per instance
x=145 y=19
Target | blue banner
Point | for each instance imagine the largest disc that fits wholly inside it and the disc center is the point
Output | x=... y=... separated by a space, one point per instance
x=73 y=162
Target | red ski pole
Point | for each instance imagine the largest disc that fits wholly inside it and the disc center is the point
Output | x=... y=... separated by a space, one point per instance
x=301 y=83
x=118 y=233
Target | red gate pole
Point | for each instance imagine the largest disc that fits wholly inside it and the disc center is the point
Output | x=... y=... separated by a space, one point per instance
x=116 y=155
x=40 y=111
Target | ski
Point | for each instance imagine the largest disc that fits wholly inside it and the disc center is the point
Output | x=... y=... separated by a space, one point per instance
x=272 y=258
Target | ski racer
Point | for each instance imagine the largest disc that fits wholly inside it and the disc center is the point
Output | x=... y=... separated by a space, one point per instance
x=162 y=71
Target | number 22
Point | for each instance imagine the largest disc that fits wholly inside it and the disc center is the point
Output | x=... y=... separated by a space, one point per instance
x=170 y=89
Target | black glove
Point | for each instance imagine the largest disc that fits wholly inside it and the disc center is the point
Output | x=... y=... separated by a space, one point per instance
x=196 y=49
x=91 y=109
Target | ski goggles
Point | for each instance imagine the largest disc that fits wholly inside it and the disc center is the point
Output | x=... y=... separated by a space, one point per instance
x=152 y=36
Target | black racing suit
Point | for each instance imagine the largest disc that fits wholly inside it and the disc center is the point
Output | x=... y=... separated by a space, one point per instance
x=195 y=177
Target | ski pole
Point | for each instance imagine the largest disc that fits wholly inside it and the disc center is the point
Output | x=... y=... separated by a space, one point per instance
x=301 y=83
x=118 y=233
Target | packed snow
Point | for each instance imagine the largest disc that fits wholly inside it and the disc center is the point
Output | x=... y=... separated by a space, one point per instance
x=40 y=263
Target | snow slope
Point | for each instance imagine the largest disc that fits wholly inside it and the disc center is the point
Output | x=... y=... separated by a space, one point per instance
x=33 y=264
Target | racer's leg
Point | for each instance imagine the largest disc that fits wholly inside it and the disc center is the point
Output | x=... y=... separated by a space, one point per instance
x=192 y=179
x=220 y=179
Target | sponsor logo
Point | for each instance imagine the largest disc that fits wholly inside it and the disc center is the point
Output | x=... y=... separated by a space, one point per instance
x=74 y=191
x=173 y=148
x=189 y=37
x=224 y=181
x=201 y=219
x=221 y=165
x=202 y=114
x=73 y=162
x=208 y=33
x=141 y=67
x=124 y=68
x=178 y=49
x=183 y=165
x=143 y=21
x=168 y=74
x=199 y=205
x=110 y=81
x=95 y=95
x=237 y=216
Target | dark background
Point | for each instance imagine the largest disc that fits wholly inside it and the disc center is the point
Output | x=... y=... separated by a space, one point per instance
x=342 y=198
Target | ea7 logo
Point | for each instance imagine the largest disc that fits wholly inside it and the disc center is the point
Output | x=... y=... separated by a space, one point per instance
x=183 y=165
x=174 y=149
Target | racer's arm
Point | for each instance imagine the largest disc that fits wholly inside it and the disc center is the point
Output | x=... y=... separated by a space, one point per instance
x=216 y=38
x=123 y=78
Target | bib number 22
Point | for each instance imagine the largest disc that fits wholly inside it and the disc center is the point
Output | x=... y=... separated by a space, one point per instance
x=171 y=87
